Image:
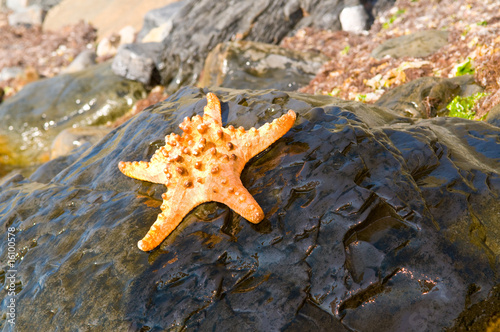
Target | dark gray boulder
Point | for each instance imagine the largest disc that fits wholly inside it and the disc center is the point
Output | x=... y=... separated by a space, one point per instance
x=373 y=222
x=377 y=7
x=138 y=61
x=72 y=138
x=201 y=25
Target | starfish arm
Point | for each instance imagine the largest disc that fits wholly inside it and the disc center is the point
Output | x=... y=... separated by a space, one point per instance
x=175 y=207
x=143 y=170
x=242 y=202
x=163 y=226
x=213 y=109
x=255 y=141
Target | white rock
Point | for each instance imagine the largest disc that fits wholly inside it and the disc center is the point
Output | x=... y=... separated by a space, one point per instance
x=105 y=48
x=72 y=138
x=10 y=72
x=127 y=35
x=18 y=4
x=353 y=18
x=32 y=15
x=82 y=61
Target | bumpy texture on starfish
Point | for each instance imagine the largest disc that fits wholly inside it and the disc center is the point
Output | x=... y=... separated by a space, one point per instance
x=203 y=165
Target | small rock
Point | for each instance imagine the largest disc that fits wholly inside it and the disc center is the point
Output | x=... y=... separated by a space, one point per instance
x=419 y=44
x=376 y=8
x=493 y=116
x=127 y=35
x=253 y=65
x=159 y=17
x=48 y=170
x=107 y=47
x=354 y=18
x=83 y=60
x=10 y=72
x=138 y=62
x=107 y=16
x=71 y=138
x=32 y=15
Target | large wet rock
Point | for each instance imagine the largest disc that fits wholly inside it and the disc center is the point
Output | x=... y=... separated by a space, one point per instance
x=253 y=65
x=33 y=117
x=374 y=222
x=417 y=44
x=427 y=97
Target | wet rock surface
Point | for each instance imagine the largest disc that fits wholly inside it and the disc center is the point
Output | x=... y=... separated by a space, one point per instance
x=72 y=138
x=253 y=65
x=373 y=222
x=108 y=17
x=33 y=117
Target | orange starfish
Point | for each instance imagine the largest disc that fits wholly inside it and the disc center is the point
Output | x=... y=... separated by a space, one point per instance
x=203 y=165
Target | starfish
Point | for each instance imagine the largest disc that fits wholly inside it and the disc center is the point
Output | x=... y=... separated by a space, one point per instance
x=203 y=165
